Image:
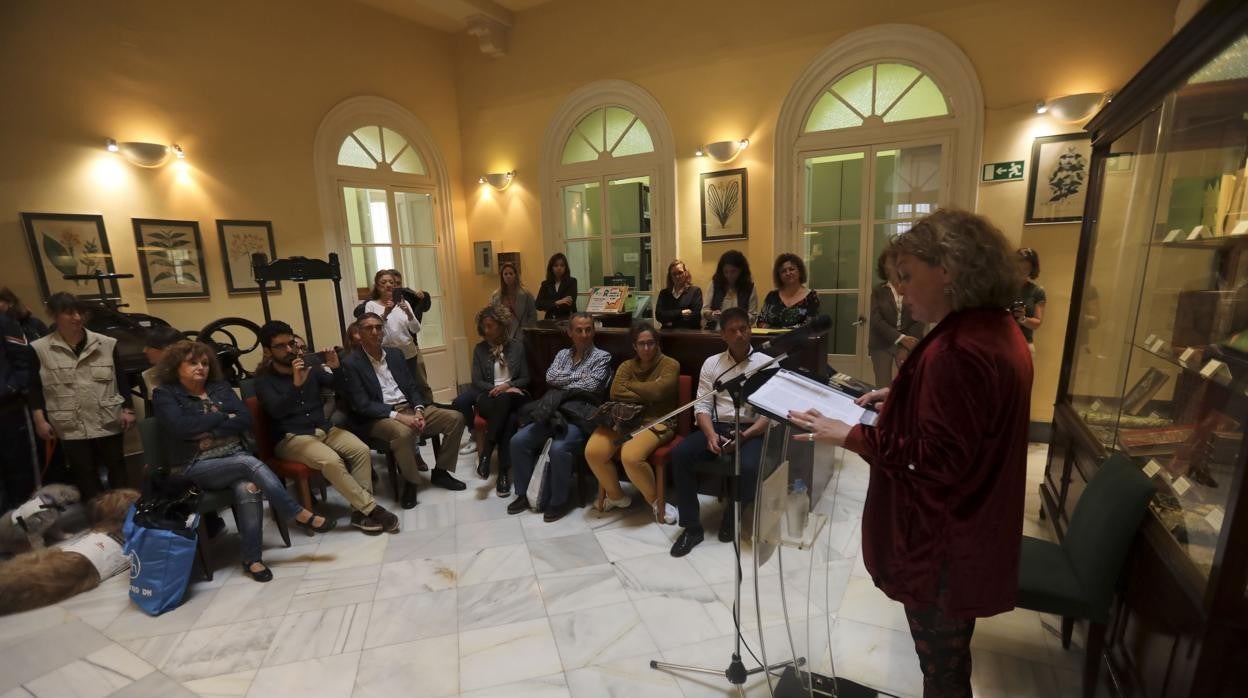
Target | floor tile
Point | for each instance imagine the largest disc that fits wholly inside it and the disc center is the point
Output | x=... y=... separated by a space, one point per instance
x=623 y=678
x=411 y=617
x=426 y=516
x=420 y=544
x=507 y=654
x=133 y=622
x=221 y=649
x=488 y=534
x=98 y=674
x=683 y=617
x=493 y=564
x=566 y=553
x=600 y=635
x=499 y=603
x=250 y=600
x=154 y=685
x=553 y=686
x=319 y=633
x=414 y=576
x=43 y=651
x=655 y=574
x=865 y=603
x=235 y=684
x=581 y=588
x=342 y=587
x=631 y=542
x=536 y=529
x=346 y=549
x=881 y=658
x=424 y=667
x=330 y=677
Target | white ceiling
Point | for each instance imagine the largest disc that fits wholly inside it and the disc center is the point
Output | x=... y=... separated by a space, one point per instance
x=452 y=15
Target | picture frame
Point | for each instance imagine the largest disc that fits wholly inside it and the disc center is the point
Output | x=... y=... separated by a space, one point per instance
x=171 y=258
x=725 y=205
x=1059 y=172
x=240 y=239
x=483 y=257
x=70 y=243
x=1137 y=398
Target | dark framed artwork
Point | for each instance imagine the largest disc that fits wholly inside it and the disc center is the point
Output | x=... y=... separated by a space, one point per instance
x=239 y=241
x=65 y=244
x=725 y=206
x=1059 y=178
x=171 y=258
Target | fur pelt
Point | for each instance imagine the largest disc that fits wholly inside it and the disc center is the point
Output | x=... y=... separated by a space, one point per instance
x=55 y=522
x=43 y=577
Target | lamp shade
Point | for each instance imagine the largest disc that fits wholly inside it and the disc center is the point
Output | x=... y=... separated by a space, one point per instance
x=144 y=154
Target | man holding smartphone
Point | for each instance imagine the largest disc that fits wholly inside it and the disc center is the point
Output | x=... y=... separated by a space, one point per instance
x=714 y=436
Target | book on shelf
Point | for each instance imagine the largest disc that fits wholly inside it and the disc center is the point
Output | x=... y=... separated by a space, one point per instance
x=1142 y=392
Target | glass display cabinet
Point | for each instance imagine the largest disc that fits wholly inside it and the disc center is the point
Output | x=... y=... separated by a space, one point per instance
x=1156 y=361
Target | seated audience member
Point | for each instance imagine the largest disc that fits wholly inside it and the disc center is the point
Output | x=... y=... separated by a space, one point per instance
x=557 y=294
x=791 y=303
x=79 y=394
x=714 y=436
x=19 y=461
x=732 y=286
x=679 y=304
x=32 y=327
x=894 y=333
x=650 y=379
x=386 y=402
x=516 y=298
x=204 y=421
x=289 y=389
x=500 y=379
x=155 y=342
x=575 y=382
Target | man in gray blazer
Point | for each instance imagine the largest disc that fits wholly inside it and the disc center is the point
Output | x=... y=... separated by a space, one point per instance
x=894 y=334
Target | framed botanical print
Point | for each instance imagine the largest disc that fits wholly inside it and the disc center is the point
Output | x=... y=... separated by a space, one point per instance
x=239 y=241
x=171 y=258
x=725 y=211
x=69 y=244
x=1059 y=178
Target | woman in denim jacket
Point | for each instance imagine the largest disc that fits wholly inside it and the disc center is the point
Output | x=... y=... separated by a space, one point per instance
x=205 y=424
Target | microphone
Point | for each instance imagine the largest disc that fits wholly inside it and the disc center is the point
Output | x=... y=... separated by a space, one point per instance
x=819 y=325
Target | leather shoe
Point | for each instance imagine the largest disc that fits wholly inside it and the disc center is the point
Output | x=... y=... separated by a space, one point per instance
x=686 y=541
x=503 y=486
x=483 y=466
x=725 y=534
x=445 y=480
x=553 y=514
x=518 y=505
x=408 y=499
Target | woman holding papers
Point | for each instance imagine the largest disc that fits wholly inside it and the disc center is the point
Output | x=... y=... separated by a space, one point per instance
x=943 y=519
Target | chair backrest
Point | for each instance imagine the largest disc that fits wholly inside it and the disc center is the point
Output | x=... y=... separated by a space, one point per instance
x=247 y=388
x=1103 y=526
x=263 y=428
x=684 y=393
x=154 y=453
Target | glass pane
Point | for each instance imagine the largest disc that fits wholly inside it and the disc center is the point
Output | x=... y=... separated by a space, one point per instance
x=585 y=263
x=352 y=155
x=432 y=326
x=882 y=234
x=392 y=142
x=409 y=162
x=419 y=266
x=843 y=307
x=581 y=205
x=368 y=219
x=618 y=119
x=907 y=182
x=857 y=88
x=832 y=255
x=831 y=113
x=577 y=150
x=635 y=142
x=367 y=261
x=631 y=257
x=891 y=79
x=416 y=222
x=1231 y=64
x=591 y=128
x=629 y=205
x=834 y=187
x=923 y=100
x=370 y=137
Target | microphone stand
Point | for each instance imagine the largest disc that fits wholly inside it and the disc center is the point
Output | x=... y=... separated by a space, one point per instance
x=735 y=673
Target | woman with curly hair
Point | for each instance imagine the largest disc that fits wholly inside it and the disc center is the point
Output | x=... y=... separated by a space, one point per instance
x=791 y=304
x=204 y=423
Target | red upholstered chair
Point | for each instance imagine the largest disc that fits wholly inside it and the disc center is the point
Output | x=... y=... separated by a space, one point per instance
x=662 y=454
x=478 y=430
x=294 y=470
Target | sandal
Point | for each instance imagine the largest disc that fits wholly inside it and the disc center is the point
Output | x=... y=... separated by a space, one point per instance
x=328 y=525
x=264 y=575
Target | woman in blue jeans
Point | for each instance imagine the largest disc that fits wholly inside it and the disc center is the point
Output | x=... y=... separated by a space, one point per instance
x=204 y=424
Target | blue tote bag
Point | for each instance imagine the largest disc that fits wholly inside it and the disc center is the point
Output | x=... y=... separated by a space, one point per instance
x=160 y=563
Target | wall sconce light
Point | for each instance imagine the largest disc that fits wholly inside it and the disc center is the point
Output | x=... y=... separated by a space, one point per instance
x=498 y=180
x=723 y=151
x=1073 y=108
x=145 y=154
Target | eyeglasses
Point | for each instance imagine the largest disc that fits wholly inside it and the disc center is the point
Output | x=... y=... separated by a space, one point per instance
x=291 y=345
x=646 y=344
x=371 y=328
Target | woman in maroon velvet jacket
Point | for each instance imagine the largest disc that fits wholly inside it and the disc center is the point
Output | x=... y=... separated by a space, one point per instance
x=943 y=518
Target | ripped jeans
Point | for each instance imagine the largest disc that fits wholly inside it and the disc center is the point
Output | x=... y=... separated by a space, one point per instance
x=237 y=472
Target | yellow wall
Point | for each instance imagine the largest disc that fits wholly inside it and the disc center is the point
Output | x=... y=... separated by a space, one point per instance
x=241 y=86
x=720 y=69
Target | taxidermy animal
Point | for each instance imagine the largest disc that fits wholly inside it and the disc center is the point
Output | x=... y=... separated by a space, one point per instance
x=50 y=575
x=51 y=512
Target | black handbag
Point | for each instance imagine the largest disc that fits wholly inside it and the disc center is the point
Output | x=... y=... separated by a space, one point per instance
x=620 y=416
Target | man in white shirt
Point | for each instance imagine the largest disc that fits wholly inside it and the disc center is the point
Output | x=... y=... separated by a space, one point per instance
x=714 y=436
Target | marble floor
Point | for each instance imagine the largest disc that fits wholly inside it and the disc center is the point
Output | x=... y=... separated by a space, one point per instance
x=468 y=601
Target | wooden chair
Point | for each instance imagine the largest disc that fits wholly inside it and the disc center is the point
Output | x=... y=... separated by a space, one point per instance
x=300 y=473
x=209 y=501
x=662 y=455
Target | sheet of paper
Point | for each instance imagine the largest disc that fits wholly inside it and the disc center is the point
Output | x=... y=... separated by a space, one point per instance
x=788 y=391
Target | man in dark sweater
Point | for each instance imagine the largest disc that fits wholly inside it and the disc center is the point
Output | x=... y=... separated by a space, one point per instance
x=289 y=389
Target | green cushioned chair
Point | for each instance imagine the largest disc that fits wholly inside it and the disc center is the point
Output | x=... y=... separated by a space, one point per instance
x=1076 y=578
x=156 y=457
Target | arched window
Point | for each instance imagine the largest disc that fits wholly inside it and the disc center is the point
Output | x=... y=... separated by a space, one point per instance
x=881 y=129
x=381 y=187
x=609 y=172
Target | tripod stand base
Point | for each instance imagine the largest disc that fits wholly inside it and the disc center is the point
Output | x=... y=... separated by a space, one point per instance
x=736 y=673
x=793 y=684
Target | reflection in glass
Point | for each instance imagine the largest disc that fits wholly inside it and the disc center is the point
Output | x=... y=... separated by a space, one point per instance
x=843 y=308
x=368 y=218
x=415 y=212
x=832 y=256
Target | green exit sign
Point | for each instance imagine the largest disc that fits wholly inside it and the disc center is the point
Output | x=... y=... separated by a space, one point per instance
x=1002 y=171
